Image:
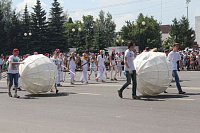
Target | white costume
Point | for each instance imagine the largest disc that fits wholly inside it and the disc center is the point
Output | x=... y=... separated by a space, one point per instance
x=101 y=66
x=57 y=63
x=113 y=66
x=93 y=66
x=72 y=68
x=85 y=69
x=119 y=64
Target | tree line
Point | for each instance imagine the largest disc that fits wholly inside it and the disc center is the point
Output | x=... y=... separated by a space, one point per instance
x=33 y=31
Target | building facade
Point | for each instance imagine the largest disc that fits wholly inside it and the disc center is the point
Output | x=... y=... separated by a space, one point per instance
x=197 y=29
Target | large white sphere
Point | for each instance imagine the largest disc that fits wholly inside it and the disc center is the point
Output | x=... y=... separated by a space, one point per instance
x=154 y=73
x=38 y=74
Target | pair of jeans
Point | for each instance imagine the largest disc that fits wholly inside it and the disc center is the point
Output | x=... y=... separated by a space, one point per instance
x=14 y=77
x=128 y=82
x=175 y=75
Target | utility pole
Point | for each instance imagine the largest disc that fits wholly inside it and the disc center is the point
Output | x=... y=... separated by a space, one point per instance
x=187 y=2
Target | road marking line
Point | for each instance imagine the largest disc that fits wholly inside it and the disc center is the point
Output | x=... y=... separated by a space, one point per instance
x=183 y=99
x=93 y=94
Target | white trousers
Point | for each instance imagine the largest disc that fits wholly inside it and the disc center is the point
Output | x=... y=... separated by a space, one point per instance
x=84 y=75
x=100 y=72
x=58 y=79
x=72 y=76
x=61 y=76
x=113 y=69
x=93 y=69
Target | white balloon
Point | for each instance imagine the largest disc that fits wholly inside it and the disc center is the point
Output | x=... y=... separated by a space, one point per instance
x=38 y=74
x=154 y=73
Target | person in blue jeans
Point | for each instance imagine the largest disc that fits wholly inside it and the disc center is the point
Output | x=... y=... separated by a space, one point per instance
x=13 y=72
x=130 y=71
x=173 y=57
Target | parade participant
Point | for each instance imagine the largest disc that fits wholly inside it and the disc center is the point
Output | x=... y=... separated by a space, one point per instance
x=107 y=63
x=13 y=72
x=119 y=64
x=113 y=67
x=35 y=53
x=173 y=57
x=84 y=65
x=46 y=54
x=72 y=67
x=93 y=65
x=61 y=67
x=56 y=61
x=101 y=66
x=198 y=60
x=130 y=71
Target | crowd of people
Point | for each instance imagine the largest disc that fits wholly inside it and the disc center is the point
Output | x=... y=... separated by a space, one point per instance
x=98 y=65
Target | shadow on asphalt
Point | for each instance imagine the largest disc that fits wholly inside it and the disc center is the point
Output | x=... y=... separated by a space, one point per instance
x=192 y=94
x=61 y=94
x=3 y=92
x=158 y=98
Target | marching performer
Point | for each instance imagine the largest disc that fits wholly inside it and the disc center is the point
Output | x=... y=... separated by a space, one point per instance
x=113 y=66
x=84 y=65
x=93 y=65
x=101 y=66
x=56 y=61
x=72 y=67
x=119 y=64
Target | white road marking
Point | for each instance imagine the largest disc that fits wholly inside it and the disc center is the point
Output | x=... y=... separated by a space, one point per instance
x=93 y=94
x=183 y=99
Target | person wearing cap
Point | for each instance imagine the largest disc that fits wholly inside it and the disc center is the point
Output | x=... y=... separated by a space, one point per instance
x=173 y=57
x=130 y=71
x=113 y=66
x=93 y=65
x=46 y=54
x=101 y=66
x=13 y=72
x=84 y=65
x=35 y=53
x=72 y=67
x=119 y=64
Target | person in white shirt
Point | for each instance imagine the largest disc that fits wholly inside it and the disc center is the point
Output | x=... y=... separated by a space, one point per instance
x=84 y=65
x=173 y=57
x=72 y=67
x=93 y=65
x=13 y=72
x=130 y=71
x=101 y=66
x=56 y=61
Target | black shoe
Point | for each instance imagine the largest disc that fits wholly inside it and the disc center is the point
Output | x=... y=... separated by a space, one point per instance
x=120 y=94
x=182 y=92
x=57 y=91
x=112 y=80
x=16 y=96
x=165 y=92
x=19 y=89
x=9 y=94
x=115 y=79
x=136 y=97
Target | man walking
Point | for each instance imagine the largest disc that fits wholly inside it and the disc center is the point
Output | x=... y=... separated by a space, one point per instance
x=13 y=72
x=173 y=57
x=130 y=71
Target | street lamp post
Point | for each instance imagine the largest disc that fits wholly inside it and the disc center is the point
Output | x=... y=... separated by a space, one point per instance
x=140 y=25
x=187 y=2
x=27 y=36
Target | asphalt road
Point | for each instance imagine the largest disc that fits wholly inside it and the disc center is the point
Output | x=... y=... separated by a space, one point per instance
x=96 y=108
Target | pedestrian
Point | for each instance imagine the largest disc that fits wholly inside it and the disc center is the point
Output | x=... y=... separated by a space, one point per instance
x=13 y=72
x=84 y=65
x=72 y=67
x=56 y=61
x=113 y=66
x=130 y=71
x=101 y=66
x=119 y=64
x=93 y=65
x=173 y=57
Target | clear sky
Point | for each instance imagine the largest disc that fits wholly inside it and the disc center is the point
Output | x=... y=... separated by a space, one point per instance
x=123 y=10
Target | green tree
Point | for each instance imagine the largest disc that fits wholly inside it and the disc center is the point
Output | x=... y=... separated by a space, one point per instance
x=39 y=29
x=145 y=31
x=181 y=33
x=56 y=26
x=104 y=31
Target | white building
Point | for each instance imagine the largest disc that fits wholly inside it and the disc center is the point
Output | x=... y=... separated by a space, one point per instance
x=197 y=29
x=165 y=29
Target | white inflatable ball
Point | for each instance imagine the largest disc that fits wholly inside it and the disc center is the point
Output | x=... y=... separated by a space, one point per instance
x=154 y=73
x=38 y=74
